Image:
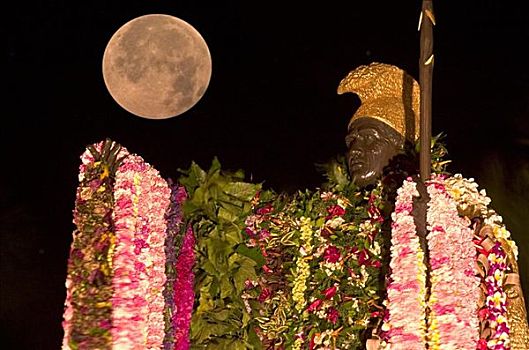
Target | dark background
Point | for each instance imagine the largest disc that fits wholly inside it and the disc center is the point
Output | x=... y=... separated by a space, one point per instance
x=271 y=108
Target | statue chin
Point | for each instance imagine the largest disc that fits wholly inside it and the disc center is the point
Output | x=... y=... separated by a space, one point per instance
x=363 y=178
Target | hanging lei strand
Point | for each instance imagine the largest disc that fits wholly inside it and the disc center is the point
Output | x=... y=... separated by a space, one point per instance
x=184 y=294
x=178 y=291
x=173 y=237
x=128 y=306
x=89 y=280
x=453 y=317
x=493 y=264
x=302 y=274
x=453 y=321
x=141 y=198
x=495 y=312
x=405 y=314
x=155 y=201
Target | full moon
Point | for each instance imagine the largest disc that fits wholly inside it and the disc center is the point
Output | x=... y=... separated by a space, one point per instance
x=157 y=66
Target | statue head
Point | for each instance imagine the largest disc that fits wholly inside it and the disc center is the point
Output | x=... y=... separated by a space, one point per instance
x=385 y=120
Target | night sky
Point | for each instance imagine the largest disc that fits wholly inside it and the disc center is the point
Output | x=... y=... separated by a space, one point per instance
x=271 y=109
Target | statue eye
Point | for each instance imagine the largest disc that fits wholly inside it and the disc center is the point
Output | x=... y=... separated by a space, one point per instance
x=370 y=136
x=350 y=139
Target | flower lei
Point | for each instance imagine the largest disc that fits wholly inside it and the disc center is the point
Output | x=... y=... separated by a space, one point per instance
x=183 y=292
x=493 y=267
x=89 y=280
x=245 y=280
x=494 y=314
x=178 y=292
x=329 y=251
x=173 y=218
x=142 y=198
x=452 y=305
x=116 y=266
x=406 y=291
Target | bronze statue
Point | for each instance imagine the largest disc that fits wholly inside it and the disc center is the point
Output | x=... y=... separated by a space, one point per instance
x=377 y=132
x=387 y=117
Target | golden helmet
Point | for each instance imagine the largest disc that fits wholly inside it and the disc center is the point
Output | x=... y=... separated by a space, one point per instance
x=388 y=94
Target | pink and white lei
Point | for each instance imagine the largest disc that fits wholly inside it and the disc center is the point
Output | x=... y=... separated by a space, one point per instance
x=452 y=318
x=405 y=319
x=141 y=199
x=453 y=303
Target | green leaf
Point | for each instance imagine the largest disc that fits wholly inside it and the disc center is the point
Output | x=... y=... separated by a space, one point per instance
x=252 y=253
x=205 y=303
x=241 y=190
x=232 y=234
x=209 y=267
x=215 y=166
x=201 y=330
x=253 y=340
x=240 y=277
x=226 y=287
x=218 y=250
x=194 y=176
x=237 y=345
x=227 y=215
x=222 y=314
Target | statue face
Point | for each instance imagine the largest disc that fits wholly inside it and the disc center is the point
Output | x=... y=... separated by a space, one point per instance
x=370 y=146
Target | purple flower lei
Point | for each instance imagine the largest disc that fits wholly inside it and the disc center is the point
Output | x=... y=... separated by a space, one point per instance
x=173 y=242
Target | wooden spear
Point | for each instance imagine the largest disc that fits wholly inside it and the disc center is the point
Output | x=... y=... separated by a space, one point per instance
x=426 y=60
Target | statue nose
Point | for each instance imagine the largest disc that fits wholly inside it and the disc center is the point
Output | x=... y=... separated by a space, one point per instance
x=355 y=153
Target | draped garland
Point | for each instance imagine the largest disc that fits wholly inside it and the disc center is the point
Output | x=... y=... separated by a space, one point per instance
x=458 y=314
x=87 y=312
x=492 y=241
x=280 y=271
x=178 y=291
x=453 y=302
x=405 y=322
x=142 y=198
x=117 y=265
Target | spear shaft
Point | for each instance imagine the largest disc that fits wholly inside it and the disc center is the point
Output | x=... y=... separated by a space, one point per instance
x=426 y=61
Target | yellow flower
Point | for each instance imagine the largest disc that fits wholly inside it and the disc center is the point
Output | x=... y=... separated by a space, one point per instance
x=297 y=344
x=103 y=304
x=105 y=172
x=501 y=319
x=497 y=298
x=498 y=276
x=300 y=286
x=501 y=232
x=303 y=268
x=455 y=192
